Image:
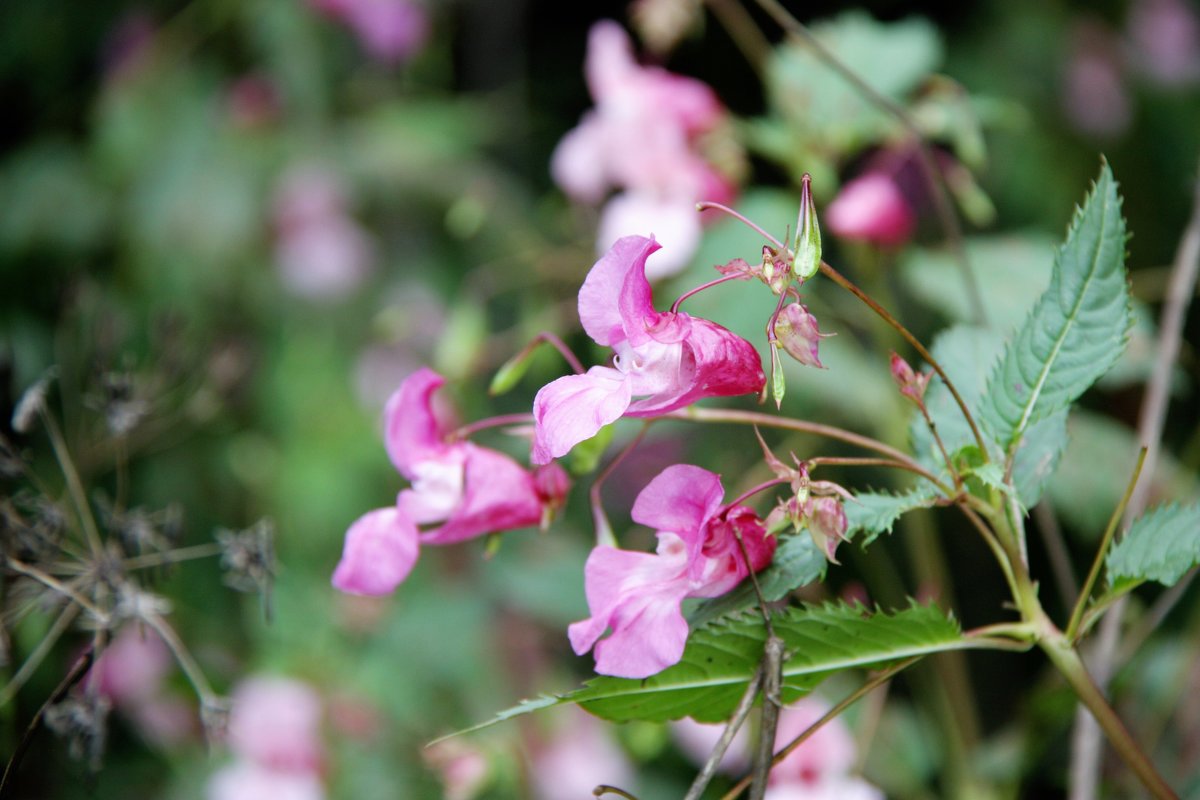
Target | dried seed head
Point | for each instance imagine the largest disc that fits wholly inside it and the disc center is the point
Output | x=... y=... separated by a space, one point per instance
x=248 y=556
x=32 y=403
x=82 y=721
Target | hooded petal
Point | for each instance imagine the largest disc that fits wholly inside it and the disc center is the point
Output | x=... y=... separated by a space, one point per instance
x=608 y=301
x=638 y=596
x=380 y=550
x=680 y=499
x=721 y=564
x=412 y=433
x=715 y=363
x=498 y=495
x=574 y=408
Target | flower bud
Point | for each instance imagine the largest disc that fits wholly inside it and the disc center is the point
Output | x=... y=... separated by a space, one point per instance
x=807 y=247
x=912 y=383
x=551 y=483
x=796 y=332
x=826 y=522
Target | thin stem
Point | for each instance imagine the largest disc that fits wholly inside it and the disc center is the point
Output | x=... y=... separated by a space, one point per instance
x=929 y=165
x=745 y=34
x=604 y=532
x=172 y=556
x=762 y=487
x=929 y=423
x=738 y=417
x=39 y=653
x=705 y=776
x=604 y=789
x=499 y=421
x=58 y=586
x=77 y=671
x=993 y=543
x=188 y=664
x=1068 y=662
x=842 y=281
x=715 y=282
x=727 y=210
x=74 y=484
x=880 y=679
x=558 y=344
x=1105 y=542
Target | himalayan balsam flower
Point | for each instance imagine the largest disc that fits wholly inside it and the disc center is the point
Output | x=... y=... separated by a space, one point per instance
x=641 y=138
x=638 y=595
x=663 y=361
x=459 y=489
x=390 y=31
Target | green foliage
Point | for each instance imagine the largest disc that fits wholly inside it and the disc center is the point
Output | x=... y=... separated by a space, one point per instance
x=874 y=513
x=1077 y=329
x=1095 y=470
x=585 y=456
x=966 y=354
x=721 y=658
x=1160 y=546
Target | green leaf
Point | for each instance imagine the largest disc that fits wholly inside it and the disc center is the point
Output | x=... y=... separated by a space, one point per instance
x=875 y=513
x=966 y=354
x=1077 y=329
x=721 y=658
x=1160 y=546
x=585 y=456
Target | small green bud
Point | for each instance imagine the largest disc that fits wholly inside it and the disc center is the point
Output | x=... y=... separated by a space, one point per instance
x=807 y=248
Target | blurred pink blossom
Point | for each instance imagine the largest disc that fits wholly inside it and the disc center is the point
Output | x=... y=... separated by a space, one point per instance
x=247 y=780
x=275 y=722
x=389 y=31
x=1095 y=100
x=580 y=757
x=872 y=208
x=320 y=251
x=463 y=767
x=130 y=672
x=641 y=138
x=1165 y=40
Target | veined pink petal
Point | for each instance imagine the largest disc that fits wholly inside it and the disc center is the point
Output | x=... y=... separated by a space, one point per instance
x=638 y=596
x=574 y=408
x=380 y=550
x=721 y=565
x=606 y=302
x=716 y=363
x=680 y=499
x=499 y=495
x=412 y=433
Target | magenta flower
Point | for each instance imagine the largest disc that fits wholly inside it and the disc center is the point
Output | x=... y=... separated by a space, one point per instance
x=469 y=490
x=663 y=360
x=872 y=208
x=638 y=595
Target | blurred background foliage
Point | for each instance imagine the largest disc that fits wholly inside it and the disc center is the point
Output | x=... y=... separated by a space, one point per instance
x=250 y=220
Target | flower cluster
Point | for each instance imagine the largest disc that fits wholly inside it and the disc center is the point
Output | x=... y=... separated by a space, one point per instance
x=460 y=489
x=642 y=137
x=638 y=595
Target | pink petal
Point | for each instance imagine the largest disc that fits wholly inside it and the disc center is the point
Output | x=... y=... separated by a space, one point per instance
x=716 y=363
x=680 y=499
x=605 y=303
x=638 y=596
x=412 y=433
x=609 y=65
x=578 y=163
x=276 y=723
x=574 y=408
x=499 y=495
x=380 y=551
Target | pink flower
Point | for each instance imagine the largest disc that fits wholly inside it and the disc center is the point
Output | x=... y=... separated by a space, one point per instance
x=246 y=780
x=642 y=137
x=638 y=595
x=872 y=208
x=389 y=31
x=275 y=723
x=459 y=489
x=581 y=756
x=663 y=361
